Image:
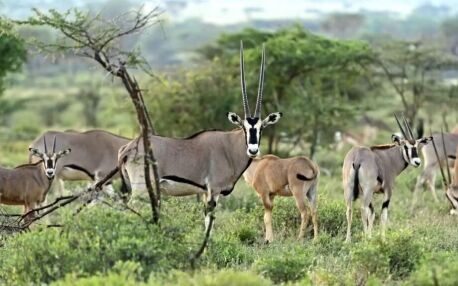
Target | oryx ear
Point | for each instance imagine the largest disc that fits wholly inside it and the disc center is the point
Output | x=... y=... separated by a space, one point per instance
x=396 y=139
x=35 y=152
x=234 y=119
x=271 y=119
x=425 y=140
x=63 y=153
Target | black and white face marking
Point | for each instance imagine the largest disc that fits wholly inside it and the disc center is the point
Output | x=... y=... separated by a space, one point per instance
x=410 y=149
x=252 y=127
x=49 y=160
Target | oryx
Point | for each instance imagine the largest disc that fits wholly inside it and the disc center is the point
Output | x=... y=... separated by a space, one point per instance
x=296 y=176
x=451 y=186
x=29 y=184
x=428 y=175
x=373 y=170
x=94 y=154
x=209 y=162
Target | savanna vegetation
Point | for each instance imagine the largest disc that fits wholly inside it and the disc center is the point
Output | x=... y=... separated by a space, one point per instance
x=323 y=81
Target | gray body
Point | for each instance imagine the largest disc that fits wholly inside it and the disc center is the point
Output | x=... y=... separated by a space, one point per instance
x=428 y=175
x=94 y=154
x=210 y=159
x=367 y=171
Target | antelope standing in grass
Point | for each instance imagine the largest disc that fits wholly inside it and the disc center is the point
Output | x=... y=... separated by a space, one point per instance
x=209 y=162
x=446 y=145
x=373 y=170
x=94 y=154
x=29 y=184
x=297 y=176
x=451 y=186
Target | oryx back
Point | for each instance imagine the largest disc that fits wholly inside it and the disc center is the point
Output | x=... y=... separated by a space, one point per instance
x=187 y=166
x=94 y=153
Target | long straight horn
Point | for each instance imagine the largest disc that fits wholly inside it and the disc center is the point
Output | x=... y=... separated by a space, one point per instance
x=400 y=126
x=44 y=143
x=257 y=112
x=54 y=145
x=445 y=156
x=246 y=107
x=444 y=179
x=409 y=130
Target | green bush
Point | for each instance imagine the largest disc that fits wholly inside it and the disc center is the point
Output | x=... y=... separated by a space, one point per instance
x=209 y=278
x=122 y=274
x=439 y=269
x=92 y=243
x=397 y=256
x=288 y=263
x=332 y=217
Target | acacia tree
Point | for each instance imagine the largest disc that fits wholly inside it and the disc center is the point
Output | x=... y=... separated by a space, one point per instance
x=295 y=56
x=12 y=50
x=414 y=70
x=97 y=38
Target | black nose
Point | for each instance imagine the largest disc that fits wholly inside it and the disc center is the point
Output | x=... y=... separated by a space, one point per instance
x=253 y=152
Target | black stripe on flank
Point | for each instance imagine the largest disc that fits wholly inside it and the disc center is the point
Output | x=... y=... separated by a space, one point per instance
x=385 y=204
x=452 y=157
x=303 y=178
x=228 y=191
x=72 y=166
x=183 y=180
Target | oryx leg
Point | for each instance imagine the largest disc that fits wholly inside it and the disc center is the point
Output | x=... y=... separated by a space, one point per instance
x=299 y=196
x=211 y=200
x=349 y=218
x=384 y=215
x=367 y=211
x=311 y=196
x=427 y=177
x=453 y=201
x=267 y=201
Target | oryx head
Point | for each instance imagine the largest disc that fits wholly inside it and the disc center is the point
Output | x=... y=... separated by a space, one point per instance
x=253 y=125
x=408 y=143
x=49 y=159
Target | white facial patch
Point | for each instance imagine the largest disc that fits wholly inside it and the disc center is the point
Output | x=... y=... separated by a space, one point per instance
x=253 y=135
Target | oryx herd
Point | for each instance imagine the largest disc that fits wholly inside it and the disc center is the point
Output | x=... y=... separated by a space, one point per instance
x=211 y=162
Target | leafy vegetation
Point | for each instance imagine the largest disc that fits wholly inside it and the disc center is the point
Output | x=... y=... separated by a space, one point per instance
x=322 y=85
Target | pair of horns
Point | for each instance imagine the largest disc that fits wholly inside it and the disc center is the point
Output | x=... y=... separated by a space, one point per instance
x=447 y=180
x=53 y=145
x=246 y=107
x=407 y=132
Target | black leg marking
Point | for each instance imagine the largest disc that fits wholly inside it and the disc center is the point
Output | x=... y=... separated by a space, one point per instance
x=385 y=204
x=371 y=207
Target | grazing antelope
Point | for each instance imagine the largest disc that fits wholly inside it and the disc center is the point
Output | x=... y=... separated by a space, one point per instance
x=209 y=162
x=94 y=154
x=29 y=184
x=451 y=186
x=428 y=175
x=297 y=176
x=373 y=170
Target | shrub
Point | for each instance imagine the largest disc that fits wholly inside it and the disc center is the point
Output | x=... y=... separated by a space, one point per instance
x=439 y=269
x=93 y=243
x=397 y=255
x=289 y=263
x=122 y=274
x=211 y=278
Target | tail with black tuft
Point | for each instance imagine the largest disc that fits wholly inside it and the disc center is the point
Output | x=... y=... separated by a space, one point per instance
x=356 y=181
x=304 y=178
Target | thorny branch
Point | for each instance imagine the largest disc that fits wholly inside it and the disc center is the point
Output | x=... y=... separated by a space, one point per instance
x=96 y=38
